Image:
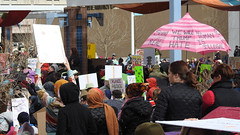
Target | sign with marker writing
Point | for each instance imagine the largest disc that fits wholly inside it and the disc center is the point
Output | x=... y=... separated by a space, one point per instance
x=139 y=74
x=131 y=79
x=32 y=63
x=187 y=34
x=116 y=84
x=88 y=78
x=136 y=60
x=113 y=72
x=19 y=105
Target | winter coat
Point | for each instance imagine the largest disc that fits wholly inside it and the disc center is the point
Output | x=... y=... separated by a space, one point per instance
x=152 y=86
x=116 y=103
x=177 y=102
x=156 y=72
x=50 y=77
x=74 y=119
x=134 y=112
x=100 y=120
x=220 y=93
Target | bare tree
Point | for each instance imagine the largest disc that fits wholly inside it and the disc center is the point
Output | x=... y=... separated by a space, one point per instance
x=112 y=34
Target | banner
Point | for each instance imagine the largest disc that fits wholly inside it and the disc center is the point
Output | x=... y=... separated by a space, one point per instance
x=91 y=51
x=136 y=61
x=131 y=79
x=116 y=84
x=113 y=72
x=49 y=43
x=32 y=63
x=139 y=74
x=88 y=78
x=19 y=105
x=149 y=56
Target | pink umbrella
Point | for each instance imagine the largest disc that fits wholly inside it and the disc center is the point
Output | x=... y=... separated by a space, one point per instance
x=187 y=34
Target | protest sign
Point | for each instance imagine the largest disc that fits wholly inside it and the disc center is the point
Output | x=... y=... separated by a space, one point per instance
x=136 y=60
x=139 y=74
x=49 y=43
x=140 y=52
x=131 y=79
x=91 y=51
x=40 y=116
x=204 y=66
x=88 y=78
x=19 y=105
x=32 y=63
x=219 y=124
x=234 y=62
x=116 y=84
x=149 y=56
x=113 y=72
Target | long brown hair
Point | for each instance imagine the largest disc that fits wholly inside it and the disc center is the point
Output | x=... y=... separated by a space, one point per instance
x=181 y=68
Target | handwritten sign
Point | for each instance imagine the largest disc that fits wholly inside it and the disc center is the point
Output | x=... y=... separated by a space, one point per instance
x=88 y=78
x=149 y=56
x=113 y=72
x=19 y=105
x=131 y=79
x=116 y=84
x=140 y=52
x=139 y=74
x=49 y=43
x=91 y=51
x=204 y=66
x=32 y=63
x=136 y=60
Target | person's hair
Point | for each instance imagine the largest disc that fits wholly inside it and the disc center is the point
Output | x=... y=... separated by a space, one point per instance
x=225 y=71
x=181 y=68
x=52 y=68
x=135 y=89
x=57 y=75
x=74 y=52
x=117 y=93
x=155 y=93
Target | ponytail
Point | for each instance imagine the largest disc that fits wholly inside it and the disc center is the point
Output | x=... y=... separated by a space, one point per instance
x=191 y=80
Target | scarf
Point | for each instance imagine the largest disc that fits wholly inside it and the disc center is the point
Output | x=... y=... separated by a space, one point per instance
x=95 y=100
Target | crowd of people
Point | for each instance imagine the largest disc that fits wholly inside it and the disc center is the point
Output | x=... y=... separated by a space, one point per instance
x=169 y=92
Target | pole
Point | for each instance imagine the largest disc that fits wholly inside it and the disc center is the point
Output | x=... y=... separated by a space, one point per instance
x=132 y=33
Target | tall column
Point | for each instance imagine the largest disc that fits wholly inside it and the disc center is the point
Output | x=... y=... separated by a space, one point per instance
x=6 y=39
x=233 y=30
x=75 y=34
x=175 y=15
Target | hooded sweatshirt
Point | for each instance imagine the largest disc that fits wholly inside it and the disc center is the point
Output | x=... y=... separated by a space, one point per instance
x=74 y=119
x=152 y=85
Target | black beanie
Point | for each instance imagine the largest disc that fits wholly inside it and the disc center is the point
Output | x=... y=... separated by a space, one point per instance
x=23 y=117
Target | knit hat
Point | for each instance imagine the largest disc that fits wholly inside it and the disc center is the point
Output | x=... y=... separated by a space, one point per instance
x=148 y=128
x=23 y=117
x=58 y=85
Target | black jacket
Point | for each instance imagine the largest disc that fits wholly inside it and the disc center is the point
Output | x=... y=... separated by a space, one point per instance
x=100 y=120
x=50 y=77
x=225 y=95
x=135 y=112
x=177 y=102
x=74 y=119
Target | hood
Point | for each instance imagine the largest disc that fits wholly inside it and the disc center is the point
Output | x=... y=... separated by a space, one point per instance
x=156 y=68
x=139 y=106
x=58 y=84
x=69 y=93
x=152 y=82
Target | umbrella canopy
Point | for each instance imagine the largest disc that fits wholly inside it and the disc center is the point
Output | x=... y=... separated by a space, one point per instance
x=229 y=5
x=124 y=78
x=187 y=34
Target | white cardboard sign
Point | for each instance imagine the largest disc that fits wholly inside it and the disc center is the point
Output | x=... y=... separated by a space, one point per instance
x=19 y=105
x=222 y=124
x=131 y=79
x=116 y=84
x=113 y=72
x=88 y=78
x=49 y=43
x=32 y=63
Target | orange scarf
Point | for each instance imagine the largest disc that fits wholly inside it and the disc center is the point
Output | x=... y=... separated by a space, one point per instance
x=95 y=100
